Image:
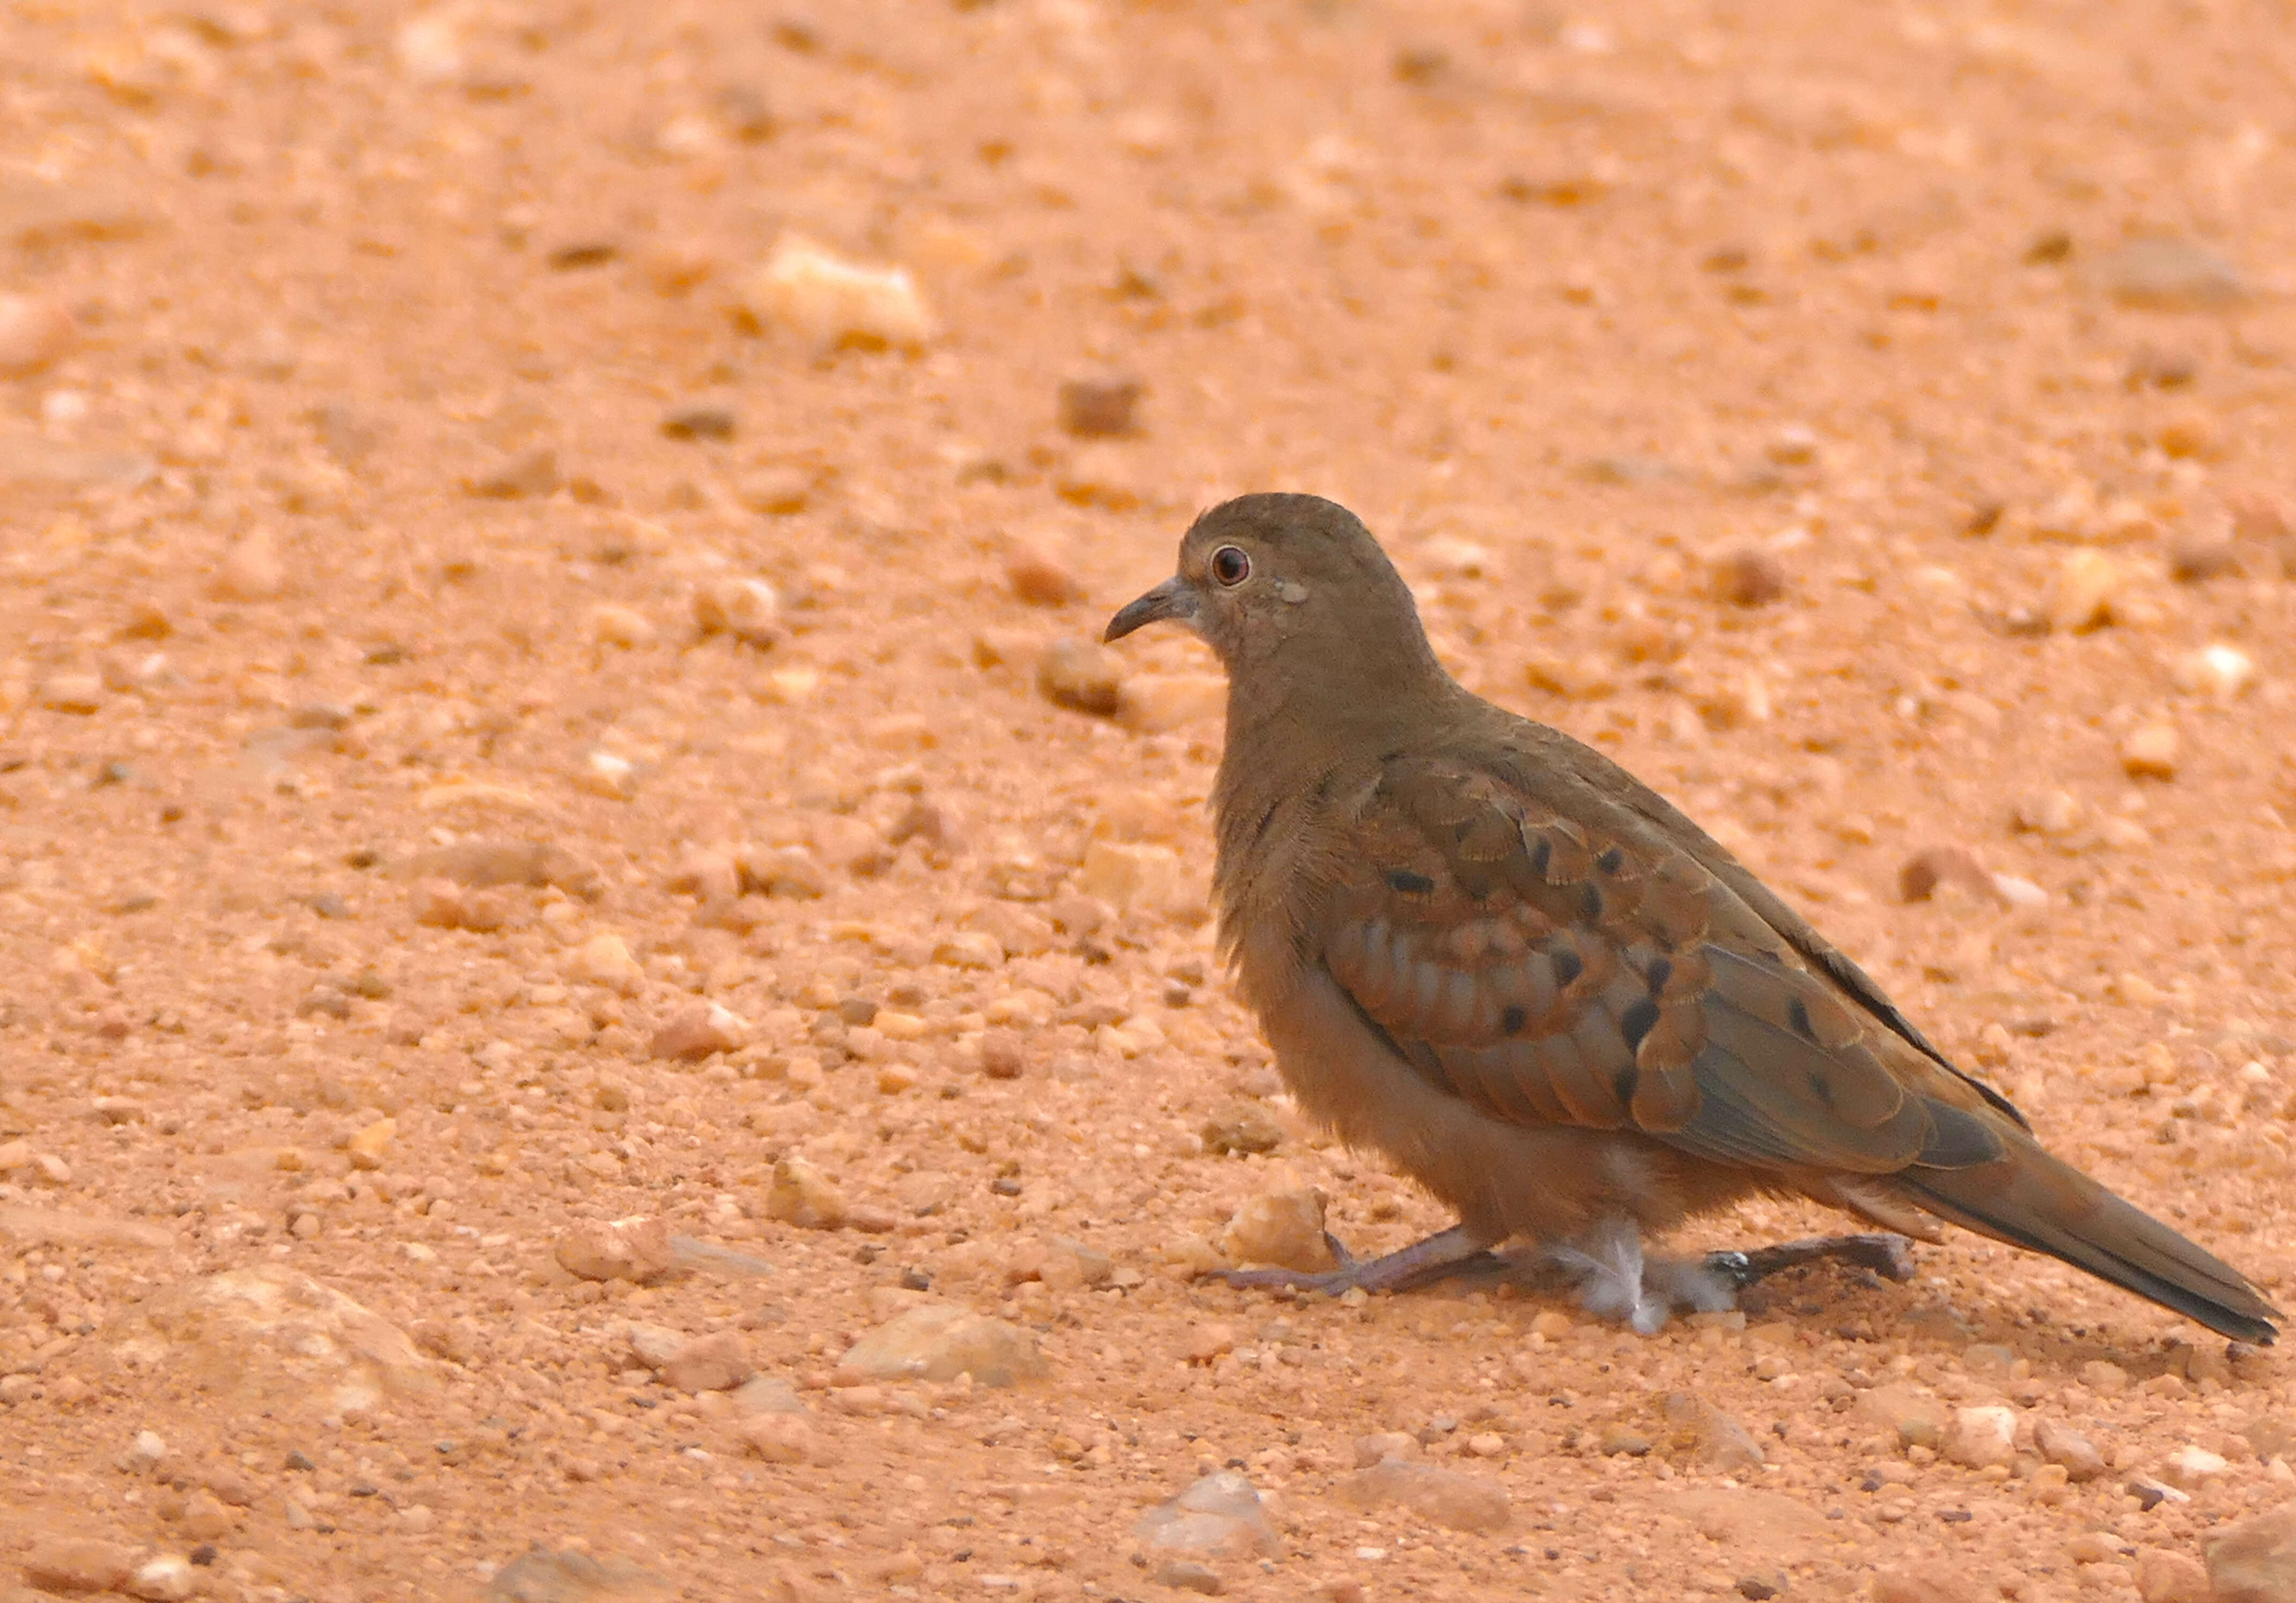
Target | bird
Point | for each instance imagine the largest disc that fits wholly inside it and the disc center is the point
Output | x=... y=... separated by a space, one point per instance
x=1489 y=953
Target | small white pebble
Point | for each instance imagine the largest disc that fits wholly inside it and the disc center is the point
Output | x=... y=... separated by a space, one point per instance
x=2218 y=670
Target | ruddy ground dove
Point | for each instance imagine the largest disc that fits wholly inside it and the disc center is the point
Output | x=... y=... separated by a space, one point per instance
x=1491 y=954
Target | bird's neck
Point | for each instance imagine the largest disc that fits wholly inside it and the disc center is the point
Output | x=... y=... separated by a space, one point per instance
x=1289 y=735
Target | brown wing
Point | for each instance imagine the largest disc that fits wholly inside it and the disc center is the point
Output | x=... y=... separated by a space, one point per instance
x=1601 y=780
x=1554 y=970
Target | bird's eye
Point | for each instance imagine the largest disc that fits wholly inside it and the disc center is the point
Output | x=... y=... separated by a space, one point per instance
x=1230 y=566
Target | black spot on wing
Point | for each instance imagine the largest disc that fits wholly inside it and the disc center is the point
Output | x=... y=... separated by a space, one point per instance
x=1611 y=860
x=1662 y=969
x=1636 y=1020
x=1798 y=1016
x=1590 y=903
x=1512 y=1019
x=1409 y=883
x=1542 y=853
x=1567 y=966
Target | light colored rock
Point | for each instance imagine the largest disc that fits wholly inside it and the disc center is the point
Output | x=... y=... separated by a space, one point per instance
x=2068 y=1449
x=1060 y=1262
x=1218 y=1516
x=274 y=1336
x=716 y=1363
x=1381 y=1444
x=80 y=694
x=1040 y=581
x=1185 y=1574
x=35 y=331
x=543 y=1574
x=941 y=1341
x=766 y=1394
x=480 y=864
x=803 y=1196
x=2055 y=814
x=624 y=627
x=1282 y=1228
x=1082 y=676
x=1240 y=1127
x=205 y=1518
x=1915 y=1419
x=969 y=949
x=252 y=569
x=2219 y=671
x=1979 y=1437
x=1930 y=1585
x=833 y=301
x=652 y=1344
x=638 y=1250
x=443 y=904
x=368 y=1147
x=2149 y=751
x=72 y=1565
x=30 y=458
x=1450 y=1498
x=2019 y=893
x=2190 y=1466
x=1702 y=1433
x=748 y=610
x=781 y=1438
x=607 y=773
x=533 y=472
x=2166 y=1578
x=2254 y=1560
x=2081 y=596
x=791 y=871
x=1768 y=1524
x=145 y=1453
x=2170 y=275
x=1209 y=1340
x=606 y=959
x=698 y=1030
x=1141 y=879
x=707 y=875
x=429 y=47
x=1927 y=872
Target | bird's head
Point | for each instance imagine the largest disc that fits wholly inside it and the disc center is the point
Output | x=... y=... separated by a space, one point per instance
x=1289 y=586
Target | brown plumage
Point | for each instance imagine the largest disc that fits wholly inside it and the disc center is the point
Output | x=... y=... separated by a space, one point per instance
x=1492 y=954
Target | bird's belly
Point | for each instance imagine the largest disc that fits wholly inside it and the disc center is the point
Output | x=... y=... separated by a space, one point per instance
x=1538 y=1182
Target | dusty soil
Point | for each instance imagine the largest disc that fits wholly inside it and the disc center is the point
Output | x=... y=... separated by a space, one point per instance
x=1771 y=395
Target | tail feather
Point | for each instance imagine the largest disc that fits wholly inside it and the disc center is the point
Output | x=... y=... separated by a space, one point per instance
x=2031 y=1199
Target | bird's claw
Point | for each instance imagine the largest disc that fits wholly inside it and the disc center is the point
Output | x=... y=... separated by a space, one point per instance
x=1888 y=1255
x=1444 y=1254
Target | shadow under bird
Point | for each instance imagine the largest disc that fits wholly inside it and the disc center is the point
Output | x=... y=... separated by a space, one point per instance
x=1490 y=952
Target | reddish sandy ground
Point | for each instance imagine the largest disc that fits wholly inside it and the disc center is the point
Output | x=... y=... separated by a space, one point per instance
x=1860 y=420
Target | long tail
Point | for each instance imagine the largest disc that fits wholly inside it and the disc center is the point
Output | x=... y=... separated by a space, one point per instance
x=2029 y=1199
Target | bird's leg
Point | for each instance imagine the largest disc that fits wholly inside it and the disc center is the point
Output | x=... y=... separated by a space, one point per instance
x=1444 y=1253
x=1617 y=1281
x=1891 y=1256
x=1614 y=1283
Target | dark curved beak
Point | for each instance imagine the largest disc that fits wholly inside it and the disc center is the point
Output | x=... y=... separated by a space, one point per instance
x=1173 y=601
